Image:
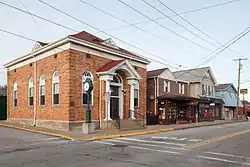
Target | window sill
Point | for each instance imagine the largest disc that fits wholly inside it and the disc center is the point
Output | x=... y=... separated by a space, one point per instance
x=55 y=105
x=86 y=105
x=30 y=107
x=41 y=106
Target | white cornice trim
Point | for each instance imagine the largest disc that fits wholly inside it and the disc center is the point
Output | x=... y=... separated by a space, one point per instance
x=103 y=48
x=37 y=52
x=69 y=39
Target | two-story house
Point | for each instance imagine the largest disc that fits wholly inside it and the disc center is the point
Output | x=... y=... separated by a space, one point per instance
x=202 y=86
x=168 y=97
x=229 y=95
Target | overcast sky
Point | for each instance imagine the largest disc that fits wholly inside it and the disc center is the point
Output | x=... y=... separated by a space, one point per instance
x=222 y=23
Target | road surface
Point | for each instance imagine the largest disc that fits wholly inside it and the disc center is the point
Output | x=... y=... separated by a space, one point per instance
x=219 y=146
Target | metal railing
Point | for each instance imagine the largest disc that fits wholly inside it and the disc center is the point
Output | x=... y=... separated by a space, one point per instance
x=136 y=114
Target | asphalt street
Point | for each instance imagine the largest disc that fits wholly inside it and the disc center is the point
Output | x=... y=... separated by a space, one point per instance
x=219 y=146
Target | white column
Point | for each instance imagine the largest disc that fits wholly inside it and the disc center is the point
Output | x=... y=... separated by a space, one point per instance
x=132 y=108
x=107 y=114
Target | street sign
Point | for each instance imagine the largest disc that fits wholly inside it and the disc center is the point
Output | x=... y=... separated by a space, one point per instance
x=243 y=91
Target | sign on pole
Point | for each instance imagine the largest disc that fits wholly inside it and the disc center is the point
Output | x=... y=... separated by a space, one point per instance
x=243 y=91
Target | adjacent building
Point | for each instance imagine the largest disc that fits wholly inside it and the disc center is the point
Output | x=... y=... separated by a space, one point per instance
x=45 y=87
x=229 y=95
x=202 y=86
x=168 y=97
x=183 y=96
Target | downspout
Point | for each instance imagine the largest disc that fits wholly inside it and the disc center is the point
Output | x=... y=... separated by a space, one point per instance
x=34 y=122
x=155 y=95
x=100 y=104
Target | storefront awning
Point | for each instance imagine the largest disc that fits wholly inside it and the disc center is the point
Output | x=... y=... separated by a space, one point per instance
x=212 y=100
x=170 y=96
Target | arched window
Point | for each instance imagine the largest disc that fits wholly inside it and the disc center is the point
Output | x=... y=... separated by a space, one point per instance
x=136 y=94
x=55 y=88
x=31 y=92
x=85 y=75
x=15 y=94
x=42 y=90
x=116 y=79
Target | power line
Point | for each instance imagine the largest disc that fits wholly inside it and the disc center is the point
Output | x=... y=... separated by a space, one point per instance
x=20 y=36
x=181 y=13
x=230 y=42
x=118 y=18
x=77 y=19
x=58 y=24
x=188 y=22
x=170 y=30
x=37 y=16
x=178 y=22
x=237 y=38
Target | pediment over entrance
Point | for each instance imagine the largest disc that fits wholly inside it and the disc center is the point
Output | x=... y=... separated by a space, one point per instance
x=124 y=65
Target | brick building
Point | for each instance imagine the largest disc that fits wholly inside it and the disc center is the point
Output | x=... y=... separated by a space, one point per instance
x=45 y=86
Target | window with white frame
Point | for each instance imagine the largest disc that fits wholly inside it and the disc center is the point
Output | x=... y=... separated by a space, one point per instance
x=166 y=86
x=85 y=75
x=15 y=94
x=31 y=92
x=55 y=88
x=42 y=90
x=136 y=94
x=181 y=88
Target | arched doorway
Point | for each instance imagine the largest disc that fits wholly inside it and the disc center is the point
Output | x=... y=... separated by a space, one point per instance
x=116 y=97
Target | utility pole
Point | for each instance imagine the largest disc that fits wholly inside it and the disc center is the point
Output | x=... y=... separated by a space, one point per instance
x=238 y=87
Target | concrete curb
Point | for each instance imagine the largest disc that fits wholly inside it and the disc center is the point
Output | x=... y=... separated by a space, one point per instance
x=115 y=136
x=37 y=131
x=151 y=132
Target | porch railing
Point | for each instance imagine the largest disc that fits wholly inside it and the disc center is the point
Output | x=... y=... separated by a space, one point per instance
x=137 y=115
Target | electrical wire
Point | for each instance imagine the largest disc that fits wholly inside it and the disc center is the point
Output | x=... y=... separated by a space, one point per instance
x=161 y=25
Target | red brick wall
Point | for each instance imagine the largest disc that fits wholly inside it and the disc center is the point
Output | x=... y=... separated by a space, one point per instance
x=70 y=64
x=46 y=66
x=79 y=63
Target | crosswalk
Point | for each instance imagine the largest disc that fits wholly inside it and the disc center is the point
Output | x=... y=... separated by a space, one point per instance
x=170 y=145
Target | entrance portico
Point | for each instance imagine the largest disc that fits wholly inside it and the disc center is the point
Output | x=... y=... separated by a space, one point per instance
x=119 y=88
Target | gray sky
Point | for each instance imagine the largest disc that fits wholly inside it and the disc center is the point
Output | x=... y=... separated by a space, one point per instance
x=221 y=23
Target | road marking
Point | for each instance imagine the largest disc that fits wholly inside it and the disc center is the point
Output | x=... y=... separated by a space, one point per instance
x=216 y=139
x=141 y=148
x=152 y=145
x=224 y=160
x=176 y=138
x=227 y=155
x=52 y=138
x=147 y=141
x=60 y=141
x=163 y=151
x=194 y=140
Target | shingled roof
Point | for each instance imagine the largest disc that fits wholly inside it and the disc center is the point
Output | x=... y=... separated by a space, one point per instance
x=96 y=40
x=155 y=73
x=222 y=86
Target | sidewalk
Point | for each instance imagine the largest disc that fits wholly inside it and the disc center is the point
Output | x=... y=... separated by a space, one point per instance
x=98 y=135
